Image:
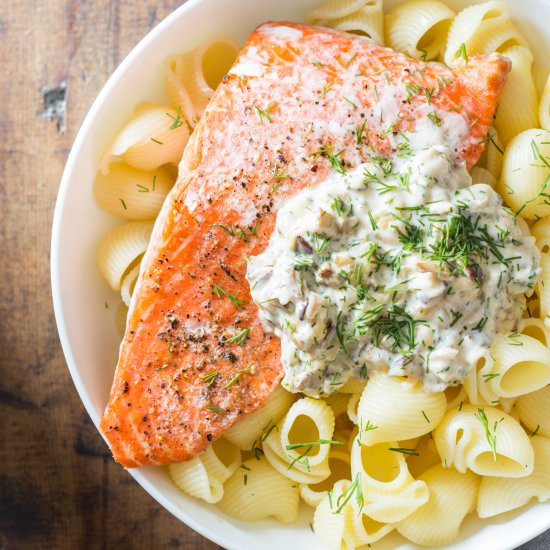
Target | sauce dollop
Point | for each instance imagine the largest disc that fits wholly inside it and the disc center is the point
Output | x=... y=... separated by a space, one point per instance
x=400 y=265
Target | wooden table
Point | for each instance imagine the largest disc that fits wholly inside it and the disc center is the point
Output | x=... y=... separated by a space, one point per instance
x=59 y=487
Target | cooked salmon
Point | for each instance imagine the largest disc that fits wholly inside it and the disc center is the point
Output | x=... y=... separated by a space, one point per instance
x=299 y=101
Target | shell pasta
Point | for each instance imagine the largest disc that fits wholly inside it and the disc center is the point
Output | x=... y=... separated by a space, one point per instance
x=419 y=28
x=295 y=448
x=452 y=497
x=155 y=135
x=482 y=28
x=192 y=77
x=390 y=493
x=121 y=248
x=520 y=365
x=518 y=105
x=256 y=491
x=524 y=174
x=203 y=476
x=544 y=106
x=486 y=441
x=363 y=17
x=393 y=410
x=339 y=465
x=532 y=409
x=245 y=433
x=130 y=193
x=497 y=496
x=339 y=525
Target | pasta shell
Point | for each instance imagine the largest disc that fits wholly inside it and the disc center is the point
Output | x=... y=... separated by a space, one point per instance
x=245 y=432
x=339 y=464
x=204 y=475
x=256 y=491
x=154 y=136
x=192 y=77
x=525 y=176
x=533 y=410
x=544 y=107
x=393 y=410
x=541 y=232
x=497 y=495
x=335 y=9
x=120 y=248
x=287 y=450
x=521 y=365
x=518 y=103
x=452 y=498
x=482 y=28
x=486 y=441
x=390 y=493
x=418 y=28
x=130 y=193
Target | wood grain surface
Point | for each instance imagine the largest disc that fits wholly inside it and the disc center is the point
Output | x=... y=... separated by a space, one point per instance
x=59 y=487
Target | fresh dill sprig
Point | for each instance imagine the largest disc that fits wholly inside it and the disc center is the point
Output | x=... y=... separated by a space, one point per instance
x=461 y=52
x=354 y=489
x=302 y=262
x=358 y=132
x=434 y=117
x=235 y=378
x=404 y=451
x=237 y=302
x=217 y=410
x=491 y=437
x=177 y=120
x=265 y=114
x=239 y=338
x=210 y=378
x=312 y=444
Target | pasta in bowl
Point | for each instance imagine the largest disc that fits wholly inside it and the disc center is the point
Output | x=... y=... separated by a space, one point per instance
x=383 y=497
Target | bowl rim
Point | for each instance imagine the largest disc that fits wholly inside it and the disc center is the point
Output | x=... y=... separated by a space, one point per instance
x=68 y=173
x=66 y=346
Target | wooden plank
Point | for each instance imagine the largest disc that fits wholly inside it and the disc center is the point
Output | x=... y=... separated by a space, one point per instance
x=59 y=487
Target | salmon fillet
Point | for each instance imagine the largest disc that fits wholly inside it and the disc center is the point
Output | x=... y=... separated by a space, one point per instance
x=299 y=101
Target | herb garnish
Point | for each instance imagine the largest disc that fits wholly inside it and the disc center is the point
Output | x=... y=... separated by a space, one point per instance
x=434 y=118
x=358 y=132
x=354 y=489
x=312 y=444
x=235 y=378
x=217 y=410
x=210 y=378
x=178 y=121
x=491 y=437
x=239 y=338
x=237 y=302
x=404 y=450
x=265 y=114
x=461 y=52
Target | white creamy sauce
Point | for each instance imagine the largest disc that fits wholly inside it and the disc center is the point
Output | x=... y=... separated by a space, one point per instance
x=400 y=265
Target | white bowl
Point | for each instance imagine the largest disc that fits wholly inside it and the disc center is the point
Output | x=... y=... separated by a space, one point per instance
x=85 y=305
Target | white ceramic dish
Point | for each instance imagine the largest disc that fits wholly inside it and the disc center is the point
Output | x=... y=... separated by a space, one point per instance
x=84 y=305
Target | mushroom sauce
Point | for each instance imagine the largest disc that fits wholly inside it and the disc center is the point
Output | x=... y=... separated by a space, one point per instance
x=401 y=265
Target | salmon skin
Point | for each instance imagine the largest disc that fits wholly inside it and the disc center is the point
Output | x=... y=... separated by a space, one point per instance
x=298 y=102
